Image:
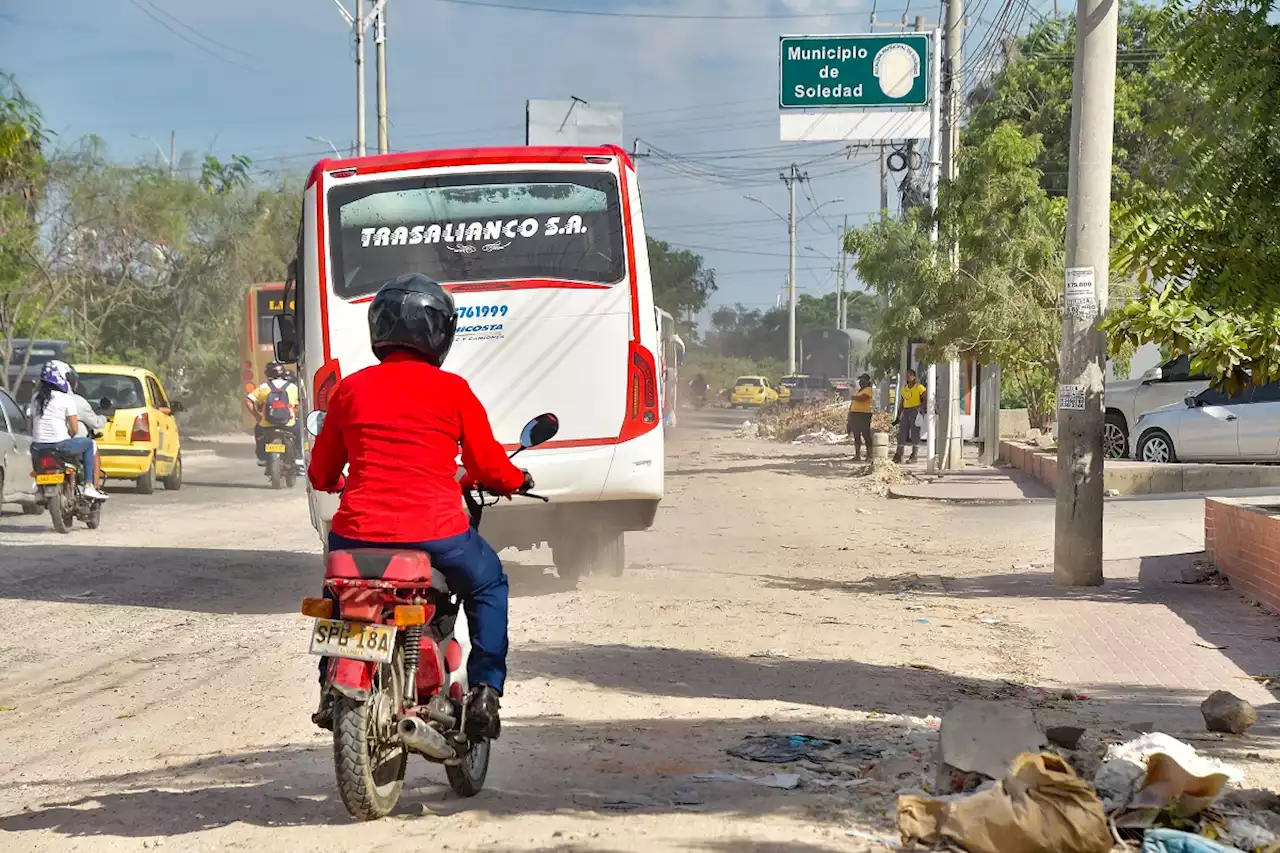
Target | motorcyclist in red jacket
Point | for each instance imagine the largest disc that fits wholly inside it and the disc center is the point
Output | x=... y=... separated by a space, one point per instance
x=397 y=427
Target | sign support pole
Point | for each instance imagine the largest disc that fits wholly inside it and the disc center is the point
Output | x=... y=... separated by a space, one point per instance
x=935 y=173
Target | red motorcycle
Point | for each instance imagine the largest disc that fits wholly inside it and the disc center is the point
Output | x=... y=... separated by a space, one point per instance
x=397 y=649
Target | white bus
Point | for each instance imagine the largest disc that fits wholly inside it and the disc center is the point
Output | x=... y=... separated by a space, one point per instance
x=544 y=252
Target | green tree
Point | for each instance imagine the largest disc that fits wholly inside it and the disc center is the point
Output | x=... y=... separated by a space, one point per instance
x=27 y=297
x=1206 y=242
x=682 y=282
x=1001 y=304
x=1032 y=91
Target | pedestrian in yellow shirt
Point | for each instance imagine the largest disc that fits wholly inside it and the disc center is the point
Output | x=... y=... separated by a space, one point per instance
x=859 y=425
x=911 y=407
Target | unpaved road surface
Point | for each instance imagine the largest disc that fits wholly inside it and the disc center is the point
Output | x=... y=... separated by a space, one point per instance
x=155 y=688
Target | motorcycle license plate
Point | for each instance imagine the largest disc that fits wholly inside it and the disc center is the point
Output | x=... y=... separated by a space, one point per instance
x=49 y=479
x=275 y=448
x=358 y=640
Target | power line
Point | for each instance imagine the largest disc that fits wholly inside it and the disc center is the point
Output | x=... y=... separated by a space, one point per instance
x=144 y=10
x=665 y=16
x=199 y=34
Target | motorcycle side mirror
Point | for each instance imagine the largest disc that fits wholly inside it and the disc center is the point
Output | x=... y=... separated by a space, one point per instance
x=105 y=403
x=315 y=422
x=540 y=430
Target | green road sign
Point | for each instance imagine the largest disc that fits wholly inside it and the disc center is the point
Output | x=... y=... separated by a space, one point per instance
x=854 y=71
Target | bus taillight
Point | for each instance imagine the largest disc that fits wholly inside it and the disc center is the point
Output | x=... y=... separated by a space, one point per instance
x=246 y=371
x=325 y=383
x=642 y=393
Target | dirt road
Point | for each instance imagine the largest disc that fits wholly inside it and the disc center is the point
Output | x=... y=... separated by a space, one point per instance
x=156 y=689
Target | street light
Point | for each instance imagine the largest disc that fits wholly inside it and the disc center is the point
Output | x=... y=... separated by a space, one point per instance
x=336 y=153
x=792 y=222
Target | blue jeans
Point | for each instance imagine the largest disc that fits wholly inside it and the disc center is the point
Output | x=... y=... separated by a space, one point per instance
x=475 y=575
x=82 y=446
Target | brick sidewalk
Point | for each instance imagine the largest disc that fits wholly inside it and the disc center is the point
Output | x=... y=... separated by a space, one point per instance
x=1143 y=643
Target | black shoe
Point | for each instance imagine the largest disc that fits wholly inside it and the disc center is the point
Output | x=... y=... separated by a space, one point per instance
x=913 y=458
x=897 y=459
x=482 y=713
x=323 y=717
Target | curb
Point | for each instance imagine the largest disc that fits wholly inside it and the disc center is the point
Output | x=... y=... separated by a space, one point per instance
x=896 y=495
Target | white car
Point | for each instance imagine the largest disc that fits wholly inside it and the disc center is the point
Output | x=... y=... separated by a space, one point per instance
x=1213 y=427
x=1127 y=399
x=15 y=454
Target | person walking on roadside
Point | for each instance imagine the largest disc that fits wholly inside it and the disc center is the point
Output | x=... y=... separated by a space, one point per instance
x=911 y=407
x=859 y=425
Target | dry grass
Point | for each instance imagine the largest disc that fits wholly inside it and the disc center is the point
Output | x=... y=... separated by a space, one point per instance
x=787 y=423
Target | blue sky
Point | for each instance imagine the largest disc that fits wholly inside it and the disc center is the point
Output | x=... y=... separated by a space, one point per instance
x=258 y=78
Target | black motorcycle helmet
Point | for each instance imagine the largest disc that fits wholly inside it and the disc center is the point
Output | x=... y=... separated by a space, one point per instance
x=412 y=313
x=275 y=370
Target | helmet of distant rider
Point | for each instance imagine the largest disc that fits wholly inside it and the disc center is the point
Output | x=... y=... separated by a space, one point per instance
x=413 y=313
x=55 y=373
x=275 y=370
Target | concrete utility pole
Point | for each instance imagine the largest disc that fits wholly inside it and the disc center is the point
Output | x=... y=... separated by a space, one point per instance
x=842 y=278
x=1077 y=552
x=380 y=41
x=359 y=25
x=792 y=178
x=951 y=452
x=173 y=154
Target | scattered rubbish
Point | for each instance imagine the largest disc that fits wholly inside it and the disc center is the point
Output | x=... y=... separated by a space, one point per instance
x=1202 y=644
x=1156 y=771
x=124 y=715
x=782 y=749
x=1198 y=572
x=79 y=596
x=1248 y=835
x=1067 y=737
x=1226 y=712
x=821 y=436
x=1112 y=493
x=1040 y=806
x=923 y=621
x=771 y=653
x=4 y=708
x=990 y=621
x=871 y=836
x=1169 y=788
x=1162 y=840
x=980 y=736
x=783 y=781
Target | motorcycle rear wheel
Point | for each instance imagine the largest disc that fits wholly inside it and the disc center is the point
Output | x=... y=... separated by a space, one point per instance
x=273 y=471
x=467 y=778
x=94 y=518
x=370 y=776
x=60 y=511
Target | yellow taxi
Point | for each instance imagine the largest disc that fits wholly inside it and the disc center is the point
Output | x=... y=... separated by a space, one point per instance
x=752 y=391
x=140 y=442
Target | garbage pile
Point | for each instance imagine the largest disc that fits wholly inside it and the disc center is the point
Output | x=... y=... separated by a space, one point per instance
x=789 y=423
x=1007 y=787
x=987 y=778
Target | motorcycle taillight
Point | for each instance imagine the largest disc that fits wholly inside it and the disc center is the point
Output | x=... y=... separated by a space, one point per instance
x=47 y=462
x=362 y=604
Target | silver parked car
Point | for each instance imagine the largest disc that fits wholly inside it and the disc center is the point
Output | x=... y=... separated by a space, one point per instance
x=1213 y=427
x=15 y=455
x=1127 y=399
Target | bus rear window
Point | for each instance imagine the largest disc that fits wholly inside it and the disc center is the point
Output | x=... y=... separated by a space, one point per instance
x=473 y=227
x=268 y=304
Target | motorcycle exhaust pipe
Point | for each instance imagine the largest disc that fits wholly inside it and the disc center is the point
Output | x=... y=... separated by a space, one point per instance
x=420 y=737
